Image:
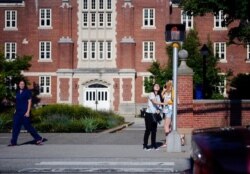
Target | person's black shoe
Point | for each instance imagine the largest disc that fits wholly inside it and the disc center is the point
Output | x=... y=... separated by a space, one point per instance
x=146 y=148
x=10 y=145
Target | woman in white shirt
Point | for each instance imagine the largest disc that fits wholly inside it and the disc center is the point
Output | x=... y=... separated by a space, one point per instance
x=154 y=103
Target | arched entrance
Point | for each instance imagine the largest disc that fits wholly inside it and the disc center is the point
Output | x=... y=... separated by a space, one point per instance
x=96 y=96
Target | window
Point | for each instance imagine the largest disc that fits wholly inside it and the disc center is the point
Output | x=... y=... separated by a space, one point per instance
x=109 y=5
x=45 y=50
x=93 y=49
x=10 y=19
x=248 y=52
x=45 y=18
x=101 y=50
x=109 y=50
x=93 y=19
x=101 y=4
x=10 y=50
x=93 y=4
x=222 y=85
x=85 y=50
x=101 y=20
x=148 y=17
x=219 y=21
x=187 y=20
x=109 y=18
x=45 y=84
x=97 y=13
x=220 y=50
x=85 y=19
x=85 y=4
x=148 y=50
x=97 y=49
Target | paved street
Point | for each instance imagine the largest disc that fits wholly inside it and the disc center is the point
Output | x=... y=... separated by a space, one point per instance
x=118 y=152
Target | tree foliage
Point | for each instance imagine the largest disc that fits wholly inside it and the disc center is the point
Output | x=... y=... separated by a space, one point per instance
x=195 y=61
x=10 y=74
x=160 y=74
x=234 y=10
x=240 y=86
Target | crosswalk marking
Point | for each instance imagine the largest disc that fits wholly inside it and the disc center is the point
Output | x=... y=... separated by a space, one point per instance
x=98 y=170
x=80 y=163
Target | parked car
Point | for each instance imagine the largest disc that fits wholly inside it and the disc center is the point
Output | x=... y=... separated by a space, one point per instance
x=221 y=150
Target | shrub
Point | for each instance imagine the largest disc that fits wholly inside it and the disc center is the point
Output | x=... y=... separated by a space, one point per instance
x=90 y=124
x=5 y=122
x=68 y=118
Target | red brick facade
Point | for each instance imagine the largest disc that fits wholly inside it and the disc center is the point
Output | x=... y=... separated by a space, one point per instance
x=71 y=77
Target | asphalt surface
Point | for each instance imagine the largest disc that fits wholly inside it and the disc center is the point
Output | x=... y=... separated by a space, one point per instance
x=113 y=151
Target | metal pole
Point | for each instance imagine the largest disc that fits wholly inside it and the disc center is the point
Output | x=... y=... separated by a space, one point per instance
x=175 y=64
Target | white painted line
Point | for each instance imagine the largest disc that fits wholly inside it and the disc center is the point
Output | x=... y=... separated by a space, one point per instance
x=99 y=170
x=79 y=163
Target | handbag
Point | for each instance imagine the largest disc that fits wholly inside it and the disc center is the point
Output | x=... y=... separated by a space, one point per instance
x=157 y=118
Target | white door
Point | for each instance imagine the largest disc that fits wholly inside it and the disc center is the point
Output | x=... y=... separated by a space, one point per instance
x=96 y=98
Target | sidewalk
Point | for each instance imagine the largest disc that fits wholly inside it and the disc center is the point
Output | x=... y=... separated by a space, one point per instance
x=124 y=146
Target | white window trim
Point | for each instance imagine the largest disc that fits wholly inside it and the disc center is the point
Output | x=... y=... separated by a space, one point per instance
x=5 y=50
x=6 y=28
x=40 y=52
x=225 y=53
x=148 y=59
x=45 y=86
x=248 y=53
x=143 y=19
x=220 y=21
x=40 y=19
x=186 y=20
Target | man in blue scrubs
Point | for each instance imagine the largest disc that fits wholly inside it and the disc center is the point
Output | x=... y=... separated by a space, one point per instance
x=22 y=113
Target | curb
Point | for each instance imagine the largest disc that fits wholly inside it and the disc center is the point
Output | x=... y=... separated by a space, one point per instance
x=118 y=128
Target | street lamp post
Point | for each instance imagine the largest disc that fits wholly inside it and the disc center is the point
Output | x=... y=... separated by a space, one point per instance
x=204 y=52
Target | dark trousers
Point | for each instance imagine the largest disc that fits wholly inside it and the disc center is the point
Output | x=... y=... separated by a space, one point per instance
x=151 y=128
x=18 y=121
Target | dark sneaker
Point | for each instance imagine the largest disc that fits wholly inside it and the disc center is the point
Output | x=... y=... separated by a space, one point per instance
x=155 y=148
x=146 y=148
x=10 y=145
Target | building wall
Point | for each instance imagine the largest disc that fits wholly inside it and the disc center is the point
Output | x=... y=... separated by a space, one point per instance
x=123 y=75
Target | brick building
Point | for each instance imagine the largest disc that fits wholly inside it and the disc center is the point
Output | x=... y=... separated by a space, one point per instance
x=96 y=53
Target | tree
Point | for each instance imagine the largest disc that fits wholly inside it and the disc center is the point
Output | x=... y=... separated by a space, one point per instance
x=234 y=10
x=195 y=60
x=10 y=74
x=160 y=74
x=240 y=87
